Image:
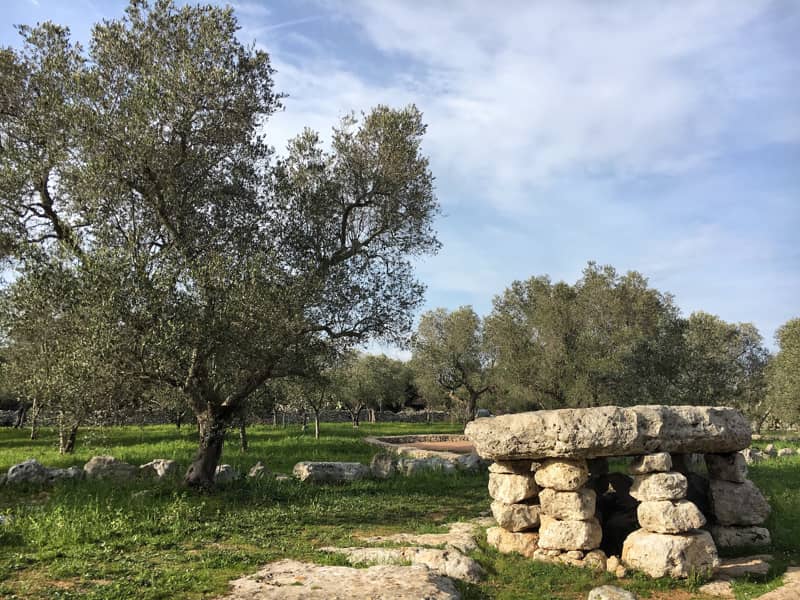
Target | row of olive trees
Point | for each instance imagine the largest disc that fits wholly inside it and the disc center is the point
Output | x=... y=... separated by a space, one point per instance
x=156 y=241
x=607 y=339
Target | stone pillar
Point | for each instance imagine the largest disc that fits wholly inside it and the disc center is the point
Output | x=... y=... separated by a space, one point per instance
x=515 y=507
x=738 y=507
x=669 y=541
x=569 y=530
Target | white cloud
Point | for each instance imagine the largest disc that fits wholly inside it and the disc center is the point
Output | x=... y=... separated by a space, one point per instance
x=536 y=91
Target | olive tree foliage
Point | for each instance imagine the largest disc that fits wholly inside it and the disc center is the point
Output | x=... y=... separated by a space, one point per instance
x=783 y=374
x=608 y=339
x=724 y=364
x=141 y=168
x=451 y=357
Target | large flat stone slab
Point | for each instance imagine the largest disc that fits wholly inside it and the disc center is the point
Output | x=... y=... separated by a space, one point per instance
x=610 y=431
x=294 y=580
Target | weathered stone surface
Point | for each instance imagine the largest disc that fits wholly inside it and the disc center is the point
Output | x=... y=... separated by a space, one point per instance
x=29 y=471
x=108 y=467
x=330 y=472
x=736 y=537
x=729 y=467
x=770 y=450
x=258 y=471
x=720 y=589
x=786 y=452
x=576 y=506
x=595 y=559
x=609 y=431
x=524 y=543
x=659 y=486
x=68 y=473
x=562 y=474
x=294 y=580
x=160 y=468
x=225 y=474
x=666 y=516
x=412 y=466
x=449 y=563
x=790 y=590
x=612 y=562
x=516 y=517
x=512 y=467
x=752 y=455
x=733 y=568
x=471 y=463
x=461 y=536
x=610 y=592
x=569 y=535
x=660 y=462
x=738 y=503
x=659 y=555
x=383 y=466
x=511 y=489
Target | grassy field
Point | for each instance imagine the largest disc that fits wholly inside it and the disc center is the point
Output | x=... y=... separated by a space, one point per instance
x=146 y=540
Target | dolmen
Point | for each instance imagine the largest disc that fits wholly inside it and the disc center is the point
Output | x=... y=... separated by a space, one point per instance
x=555 y=500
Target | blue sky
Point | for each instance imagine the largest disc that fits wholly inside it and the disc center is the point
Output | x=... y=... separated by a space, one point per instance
x=657 y=136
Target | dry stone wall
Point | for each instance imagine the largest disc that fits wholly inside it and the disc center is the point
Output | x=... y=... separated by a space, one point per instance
x=551 y=473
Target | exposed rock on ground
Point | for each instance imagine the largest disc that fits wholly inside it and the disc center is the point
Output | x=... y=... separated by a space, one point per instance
x=678 y=556
x=610 y=592
x=294 y=580
x=506 y=542
x=461 y=537
x=108 y=467
x=330 y=472
x=449 y=563
x=160 y=468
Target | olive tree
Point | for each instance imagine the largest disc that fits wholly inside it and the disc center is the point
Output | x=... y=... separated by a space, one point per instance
x=783 y=374
x=144 y=160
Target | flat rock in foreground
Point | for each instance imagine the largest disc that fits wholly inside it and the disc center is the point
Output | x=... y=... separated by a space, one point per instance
x=610 y=431
x=294 y=580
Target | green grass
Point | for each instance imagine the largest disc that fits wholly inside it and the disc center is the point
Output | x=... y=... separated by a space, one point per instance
x=93 y=539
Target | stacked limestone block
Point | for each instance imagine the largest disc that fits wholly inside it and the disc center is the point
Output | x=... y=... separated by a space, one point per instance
x=515 y=506
x=670 y=541
x=739 y=508
x=569 y=530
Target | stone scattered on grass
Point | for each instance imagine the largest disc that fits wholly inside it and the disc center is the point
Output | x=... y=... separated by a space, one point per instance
x=734 y=568
x=160 y=468
x=258 y=471
x=295 y=580
x=610 y=592
x=461 y=537
x=225 y=474
x=786 y=452
x=29 y=471
x=330 y=472
x=108 y=467
x=506 y=542
x=450 y=563
x=720 y=589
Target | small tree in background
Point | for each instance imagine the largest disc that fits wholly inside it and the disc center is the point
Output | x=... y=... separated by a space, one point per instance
x=783 y=374
x=450 y=355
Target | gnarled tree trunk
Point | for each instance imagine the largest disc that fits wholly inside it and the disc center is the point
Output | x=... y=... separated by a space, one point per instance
x=67 y=433
x=212 y=423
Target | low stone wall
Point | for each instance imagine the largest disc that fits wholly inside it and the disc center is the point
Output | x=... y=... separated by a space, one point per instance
x=554 y=499
x=401 y=445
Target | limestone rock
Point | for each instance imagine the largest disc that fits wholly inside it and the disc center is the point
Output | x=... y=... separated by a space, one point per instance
x=562 y=474
x=610 y=592
x=569 y=535
x=659 y=462
x=29 y=471
x=786 y=452
x=225 y=474
x=770 y=450
x=524 y=543
x=752 y=455
x=294 y=580
x=108 y=467
x=512 y=489
x=516 y=517
x=449 y=563
x=730 y=467
x=413 y=466
x=612 y=562
x=733 y=568
x=512 y=467
x=738 y=503
x=577 y=506
x=258 y=471
x=720 y=589
x=383 y=466
x=659 y=486
x=68 y=473
x=460 y=536
x=659 y=555
x=609 y=431
x=469 y=463
x=666 y=516
x=330 y=472
x=736 y=537
x=595 y=559
x=160 y=468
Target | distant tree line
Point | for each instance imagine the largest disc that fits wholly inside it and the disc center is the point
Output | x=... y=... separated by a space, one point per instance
x=607 y=339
